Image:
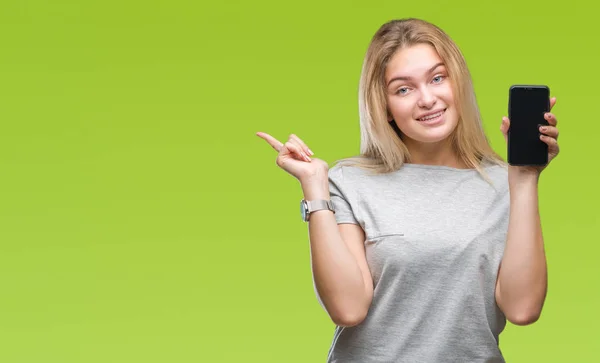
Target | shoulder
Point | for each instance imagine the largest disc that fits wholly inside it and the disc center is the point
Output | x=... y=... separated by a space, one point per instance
x=344 y=173
x=498 y=175
x=499 y=171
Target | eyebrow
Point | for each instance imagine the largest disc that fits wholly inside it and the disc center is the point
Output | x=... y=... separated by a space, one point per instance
x=406 y=78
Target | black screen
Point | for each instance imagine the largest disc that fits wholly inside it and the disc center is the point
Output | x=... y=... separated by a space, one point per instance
x=527 y=105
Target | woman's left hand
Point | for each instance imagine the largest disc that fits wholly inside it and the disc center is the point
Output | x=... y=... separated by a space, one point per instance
x=549 y=135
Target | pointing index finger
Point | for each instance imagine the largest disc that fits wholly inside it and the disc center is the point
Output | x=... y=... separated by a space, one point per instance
x=276 y=144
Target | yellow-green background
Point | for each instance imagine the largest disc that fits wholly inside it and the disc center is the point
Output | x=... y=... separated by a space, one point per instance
x=141 y=219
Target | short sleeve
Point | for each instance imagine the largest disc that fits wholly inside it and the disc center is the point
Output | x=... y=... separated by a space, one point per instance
x=340 y=197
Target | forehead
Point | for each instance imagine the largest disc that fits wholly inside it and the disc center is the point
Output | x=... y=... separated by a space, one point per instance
x=412 y=61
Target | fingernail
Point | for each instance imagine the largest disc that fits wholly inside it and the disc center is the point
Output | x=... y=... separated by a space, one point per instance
x=310 y=152
x=548 y=116
x=544 y=129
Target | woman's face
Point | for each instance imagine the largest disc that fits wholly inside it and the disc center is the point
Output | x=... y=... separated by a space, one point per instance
x=419 y=95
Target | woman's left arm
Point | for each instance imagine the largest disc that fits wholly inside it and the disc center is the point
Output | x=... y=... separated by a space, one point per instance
x=523 y=278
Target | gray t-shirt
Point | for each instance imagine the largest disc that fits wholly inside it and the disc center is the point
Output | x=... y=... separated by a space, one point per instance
x=435 y=237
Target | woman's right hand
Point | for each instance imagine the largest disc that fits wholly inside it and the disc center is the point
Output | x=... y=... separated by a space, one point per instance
x=294 y=158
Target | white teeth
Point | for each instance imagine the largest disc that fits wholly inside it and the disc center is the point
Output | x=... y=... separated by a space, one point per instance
x=431 y=116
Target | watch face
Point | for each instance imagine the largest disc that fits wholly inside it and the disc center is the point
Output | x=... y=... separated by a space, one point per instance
x=303 y=210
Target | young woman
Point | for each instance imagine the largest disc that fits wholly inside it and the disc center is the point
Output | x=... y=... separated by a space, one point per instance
x=427 y=242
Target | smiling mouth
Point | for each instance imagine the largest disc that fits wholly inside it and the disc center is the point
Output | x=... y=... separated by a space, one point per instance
x=432 y=116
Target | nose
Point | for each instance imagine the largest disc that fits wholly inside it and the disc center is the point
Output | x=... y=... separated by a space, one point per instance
x=427 y=99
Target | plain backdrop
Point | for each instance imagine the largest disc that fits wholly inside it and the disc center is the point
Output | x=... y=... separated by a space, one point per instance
x=141 y=219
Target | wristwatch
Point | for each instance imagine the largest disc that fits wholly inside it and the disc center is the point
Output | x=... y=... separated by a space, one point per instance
x=309 y=206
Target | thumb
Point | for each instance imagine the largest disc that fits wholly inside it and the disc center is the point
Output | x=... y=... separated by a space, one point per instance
x=504 y=127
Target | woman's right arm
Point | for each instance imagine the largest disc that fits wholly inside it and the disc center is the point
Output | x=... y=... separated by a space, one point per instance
x=341 y=275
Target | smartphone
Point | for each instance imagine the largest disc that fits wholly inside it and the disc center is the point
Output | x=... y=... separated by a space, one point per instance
x=527 y=105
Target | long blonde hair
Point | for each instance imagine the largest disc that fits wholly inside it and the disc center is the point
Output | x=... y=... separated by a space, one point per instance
x=381 y=148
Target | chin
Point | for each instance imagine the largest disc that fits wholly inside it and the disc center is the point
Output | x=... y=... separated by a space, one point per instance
x=431 y=136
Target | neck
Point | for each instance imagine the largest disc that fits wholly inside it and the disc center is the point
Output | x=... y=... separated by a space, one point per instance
x=439 y=153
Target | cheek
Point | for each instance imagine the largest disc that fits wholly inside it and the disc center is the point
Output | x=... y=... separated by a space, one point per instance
x=401 y=110
x=447 y=94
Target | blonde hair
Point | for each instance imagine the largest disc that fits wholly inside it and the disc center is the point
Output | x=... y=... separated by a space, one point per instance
x=381 y=148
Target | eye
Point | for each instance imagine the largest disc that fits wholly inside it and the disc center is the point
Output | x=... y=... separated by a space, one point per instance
x=438 y=79
x=402 y=91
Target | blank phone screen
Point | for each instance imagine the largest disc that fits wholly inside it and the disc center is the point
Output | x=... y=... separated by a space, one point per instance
x=527 y=105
